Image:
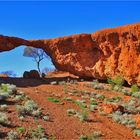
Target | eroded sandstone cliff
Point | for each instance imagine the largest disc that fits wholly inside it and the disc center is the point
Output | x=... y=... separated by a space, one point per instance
x=103 y=54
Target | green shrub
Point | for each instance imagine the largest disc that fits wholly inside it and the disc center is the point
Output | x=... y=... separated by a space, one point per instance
x=71 y=112
x=4 y=119
x=137 y=132
x=29 y=108
x=100 y=96
x=83 y=116
x=134 y=88
x=116 y=83
x=52 y=99
x=20 y=130
x=80 y=104
x=82 y=137
x=68 y=98
x=136 y=95
x=113 y=100
x=8 y=88
x=4 y=95
x=126 y=92
x=95 y=84
x=38 y=133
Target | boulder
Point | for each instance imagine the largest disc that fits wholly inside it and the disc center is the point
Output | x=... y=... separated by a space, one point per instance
x=26 y=74
x=110 y=108
x=31 y=74
x=34 y=74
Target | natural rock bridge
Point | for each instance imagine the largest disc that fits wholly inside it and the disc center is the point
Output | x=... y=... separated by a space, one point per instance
x=103 y=54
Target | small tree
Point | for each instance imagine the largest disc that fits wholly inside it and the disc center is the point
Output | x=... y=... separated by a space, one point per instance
x=37 y=54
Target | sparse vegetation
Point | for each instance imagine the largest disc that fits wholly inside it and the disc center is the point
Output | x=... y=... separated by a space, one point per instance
x=84 y=101
x=80 y=104
x=94 y=136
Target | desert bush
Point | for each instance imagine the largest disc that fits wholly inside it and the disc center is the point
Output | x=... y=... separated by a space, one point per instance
x=93 y=107
x=136 y=94
x=130 y=105
x=12 y=135
x=4 y=95
x=20 y=130
x=137 y=132
x=20 y=97
x=82 y=137
x=6 y=91
x=116 y=83
x=113 y=100
x=83 y=116
x=39 y=133
x=29 y=108
x=134 y=88
x=95 y=84
x=46 y=118
x=126 y=92
x=125 y=119
x=68 y=98
x=55 y=100
x=100 y=96
x=71 y=112
x=4 y=119
x=97 y=134
x=94 y=136
x=8 y=88
x=4 y=107
x=80 y=104
x=93 y=94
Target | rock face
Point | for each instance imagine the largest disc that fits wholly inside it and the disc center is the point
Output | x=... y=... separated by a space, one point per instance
x=103 y=54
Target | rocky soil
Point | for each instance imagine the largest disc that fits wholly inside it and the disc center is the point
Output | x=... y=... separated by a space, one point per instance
x=72 y=109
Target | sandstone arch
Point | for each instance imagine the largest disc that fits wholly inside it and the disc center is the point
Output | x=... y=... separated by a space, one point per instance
x=103 y=54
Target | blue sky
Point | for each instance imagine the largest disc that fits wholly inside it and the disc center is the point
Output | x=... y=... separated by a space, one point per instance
x=42 y=20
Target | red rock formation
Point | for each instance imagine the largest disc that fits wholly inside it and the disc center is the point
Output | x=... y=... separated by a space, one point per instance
x=103 y=54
